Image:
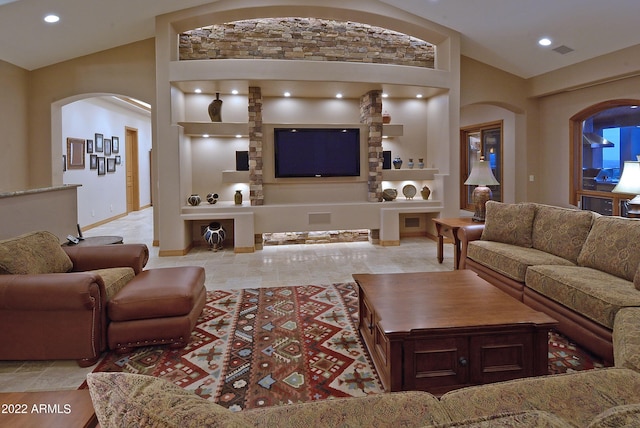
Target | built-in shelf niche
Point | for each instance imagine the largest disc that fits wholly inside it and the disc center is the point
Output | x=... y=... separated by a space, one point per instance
x=406 y=174
x=231 y=176
x=392 y=130
x=215 y=129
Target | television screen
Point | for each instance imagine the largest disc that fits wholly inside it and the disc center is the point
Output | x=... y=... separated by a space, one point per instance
x=317 y=152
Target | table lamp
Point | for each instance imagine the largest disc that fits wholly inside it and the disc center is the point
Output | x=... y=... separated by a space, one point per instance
x=482 y=177
x=630 y=183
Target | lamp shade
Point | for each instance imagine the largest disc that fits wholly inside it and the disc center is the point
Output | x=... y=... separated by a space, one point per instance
x=630 y=179
x=481 y=175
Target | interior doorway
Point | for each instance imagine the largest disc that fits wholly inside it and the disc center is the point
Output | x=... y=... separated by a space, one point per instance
x=132 y=170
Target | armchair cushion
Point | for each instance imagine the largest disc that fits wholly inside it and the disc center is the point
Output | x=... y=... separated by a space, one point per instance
x=33 y=253
x=114 y=279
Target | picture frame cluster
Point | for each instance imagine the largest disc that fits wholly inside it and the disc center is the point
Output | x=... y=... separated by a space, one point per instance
x=109 y=147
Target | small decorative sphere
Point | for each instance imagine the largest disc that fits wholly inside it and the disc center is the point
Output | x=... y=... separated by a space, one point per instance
x=212 y=198
x=194 y=200
x=214 y=235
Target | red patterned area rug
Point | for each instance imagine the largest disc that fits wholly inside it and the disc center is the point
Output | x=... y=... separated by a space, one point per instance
x=253 y=348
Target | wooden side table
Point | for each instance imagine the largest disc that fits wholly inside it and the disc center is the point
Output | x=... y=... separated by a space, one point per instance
x=72 y=408
x=448 y=228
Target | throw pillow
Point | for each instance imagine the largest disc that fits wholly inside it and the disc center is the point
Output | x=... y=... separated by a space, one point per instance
x=509 y=223
x=613 y=246
x=133 y=400
x=33 y=253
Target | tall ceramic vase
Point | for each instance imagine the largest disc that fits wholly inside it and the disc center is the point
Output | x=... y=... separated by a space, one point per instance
x=215 y=109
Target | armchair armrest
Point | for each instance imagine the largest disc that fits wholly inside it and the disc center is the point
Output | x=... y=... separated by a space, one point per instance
x=51 y=292
x=108 y=256
x=467 y=234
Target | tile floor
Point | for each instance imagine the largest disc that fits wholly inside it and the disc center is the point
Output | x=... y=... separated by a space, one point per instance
x=272 y=266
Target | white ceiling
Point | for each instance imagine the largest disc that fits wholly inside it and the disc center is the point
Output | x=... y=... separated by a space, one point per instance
x=502 y=33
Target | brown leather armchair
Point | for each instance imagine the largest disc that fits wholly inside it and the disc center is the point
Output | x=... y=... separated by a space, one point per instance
x=62 y=315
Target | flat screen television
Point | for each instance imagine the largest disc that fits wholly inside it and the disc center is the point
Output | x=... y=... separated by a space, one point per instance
x=317 y=152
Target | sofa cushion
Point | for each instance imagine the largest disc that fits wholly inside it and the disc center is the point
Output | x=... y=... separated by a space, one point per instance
x=594 y=294
x=401 y=409
x=510 y=260
x=618 y=417
x=613 y=246
x=575 y=397
x=626 y=339
x=33 y=253
x=133 y=400
x=561 y=231
x=531 y=418
x=114 y=279
x=509 y=223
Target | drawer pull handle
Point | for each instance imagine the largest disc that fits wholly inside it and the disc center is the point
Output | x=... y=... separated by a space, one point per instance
x=463 y=361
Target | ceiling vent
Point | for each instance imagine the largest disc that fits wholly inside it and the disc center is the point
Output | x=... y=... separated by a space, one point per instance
x=562 y=50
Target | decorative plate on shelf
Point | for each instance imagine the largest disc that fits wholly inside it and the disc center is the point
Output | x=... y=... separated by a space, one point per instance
x=409 y=191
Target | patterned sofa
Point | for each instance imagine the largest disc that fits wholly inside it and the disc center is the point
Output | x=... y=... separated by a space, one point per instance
x=596 y=398
x=581 y=268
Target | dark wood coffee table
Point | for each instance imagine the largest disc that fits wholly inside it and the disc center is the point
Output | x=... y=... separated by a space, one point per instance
x=51 y=409
x=438 y=331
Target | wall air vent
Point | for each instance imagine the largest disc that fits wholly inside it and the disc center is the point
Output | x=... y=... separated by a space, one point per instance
x=562 y=50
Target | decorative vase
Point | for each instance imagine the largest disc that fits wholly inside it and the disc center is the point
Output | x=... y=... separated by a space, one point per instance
x=212 y=198
x=194 y=199
x=397 y=162
x=215 y=109
x=425 y=192
x=386 y=117
x=214 y=235
x=421 y=163
x=389 y=194
x=237 y=198
x=410 y=163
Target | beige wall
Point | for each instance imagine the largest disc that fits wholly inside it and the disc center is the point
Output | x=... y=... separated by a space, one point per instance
x=127 y=70
x=14 y=165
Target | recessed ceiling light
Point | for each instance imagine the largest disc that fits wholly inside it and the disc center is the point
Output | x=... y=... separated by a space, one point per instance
x=205 y=135
x=198 y=91
x=634 y=107
x=287 y=94
x=238 y=136
x=385 y=95
x=234 y=92
x=51 y=18
x=419 y=96
x=544 y=42
x=338 y=95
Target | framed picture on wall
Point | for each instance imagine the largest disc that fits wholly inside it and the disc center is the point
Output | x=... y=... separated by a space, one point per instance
x=99 y=143
x=115 y=144
x=102 y=166
x=93 y=161
x=75 y=153
x=107 y=147
x=111 y=164
x=89 y=146
x=118 y=160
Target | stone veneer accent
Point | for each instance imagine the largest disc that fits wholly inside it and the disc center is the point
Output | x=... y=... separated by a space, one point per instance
x=371 y=114
x=255 y=146
x=305 y=39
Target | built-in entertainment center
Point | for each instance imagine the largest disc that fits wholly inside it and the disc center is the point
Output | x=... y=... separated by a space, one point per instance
x=328 y=184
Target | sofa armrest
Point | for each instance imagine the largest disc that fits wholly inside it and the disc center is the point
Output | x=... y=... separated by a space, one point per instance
x=467 y=234
x=84 y=259
x=51 y=292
